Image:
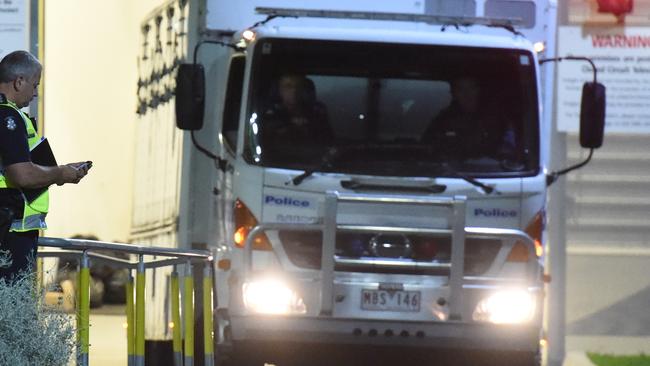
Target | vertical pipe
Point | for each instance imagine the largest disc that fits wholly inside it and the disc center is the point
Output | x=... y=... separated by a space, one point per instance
x=556 y=264
x=248 y=253
x=176 y=321
x=457 y=259
x=139 y=313
x=130 y=326
x=83 y=317
x=327 y=258
x=556 y=260
x=208 y=343
x=41 y=57
x=188 y=315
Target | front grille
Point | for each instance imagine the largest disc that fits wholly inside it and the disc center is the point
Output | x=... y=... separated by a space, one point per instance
x=425 y=254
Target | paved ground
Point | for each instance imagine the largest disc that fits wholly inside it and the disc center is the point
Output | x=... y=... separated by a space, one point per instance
x=108 y=337
x=608 y=295
x=108 y=342
x=607 y=304
x=607 y=312
x=576 y=358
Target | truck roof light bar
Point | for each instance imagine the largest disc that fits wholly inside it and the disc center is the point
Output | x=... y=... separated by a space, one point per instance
x=404 y=17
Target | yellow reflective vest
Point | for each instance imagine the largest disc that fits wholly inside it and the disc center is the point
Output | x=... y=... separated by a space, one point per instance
x=33 y=212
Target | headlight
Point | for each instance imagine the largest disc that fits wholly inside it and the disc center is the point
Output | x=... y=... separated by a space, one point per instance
x=271 y=296
x=506 y=307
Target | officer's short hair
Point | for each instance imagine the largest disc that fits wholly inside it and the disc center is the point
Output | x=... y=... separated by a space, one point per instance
x=17 y=64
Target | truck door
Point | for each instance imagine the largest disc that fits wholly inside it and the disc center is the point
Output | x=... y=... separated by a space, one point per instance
x=232 y=105
x=229 y=137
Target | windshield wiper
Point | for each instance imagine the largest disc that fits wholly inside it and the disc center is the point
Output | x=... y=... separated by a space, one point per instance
x=335 y=152
x=326 y=162
x=403 y=185
x=486 y=188
x=302 y=176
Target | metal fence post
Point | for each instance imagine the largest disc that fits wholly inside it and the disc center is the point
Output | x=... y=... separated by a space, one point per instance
x=327 y=258
x=135 y=293
x=457 y=270
x=83 y=319
x=176 y=321
x=130 y=326
x=139 y=312
x=188 y=315
x=208 y=344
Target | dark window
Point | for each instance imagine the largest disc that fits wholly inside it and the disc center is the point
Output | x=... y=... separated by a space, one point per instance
x=393 y=109
x=233 y=100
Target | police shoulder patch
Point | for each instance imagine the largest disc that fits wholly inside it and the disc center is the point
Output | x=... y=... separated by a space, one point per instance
x=11 y=123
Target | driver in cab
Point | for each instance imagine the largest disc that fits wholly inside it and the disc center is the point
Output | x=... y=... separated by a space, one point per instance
x=469 y=127
x=295 y=123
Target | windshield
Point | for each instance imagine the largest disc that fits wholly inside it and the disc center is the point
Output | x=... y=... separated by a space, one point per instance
x=392 y=109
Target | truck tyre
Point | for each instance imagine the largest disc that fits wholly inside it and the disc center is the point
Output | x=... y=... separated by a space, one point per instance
x=528 y=359
x=223 y=349
x=240 y=359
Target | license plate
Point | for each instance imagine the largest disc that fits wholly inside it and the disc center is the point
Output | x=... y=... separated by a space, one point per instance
x=380 y=300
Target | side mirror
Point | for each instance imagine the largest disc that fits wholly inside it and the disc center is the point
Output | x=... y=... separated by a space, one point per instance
x=190 y=97
x=592 y=115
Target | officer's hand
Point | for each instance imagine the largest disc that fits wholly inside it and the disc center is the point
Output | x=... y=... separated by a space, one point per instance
x=83 y=166
x=72 y=173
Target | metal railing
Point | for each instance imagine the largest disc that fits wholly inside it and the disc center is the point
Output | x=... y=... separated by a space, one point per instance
x=135 y=302
x=330 y=226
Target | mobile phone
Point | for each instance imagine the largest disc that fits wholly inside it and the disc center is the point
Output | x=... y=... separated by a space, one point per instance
x=87 y=164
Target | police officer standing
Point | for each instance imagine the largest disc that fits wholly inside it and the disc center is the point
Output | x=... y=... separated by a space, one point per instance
x=21 y=218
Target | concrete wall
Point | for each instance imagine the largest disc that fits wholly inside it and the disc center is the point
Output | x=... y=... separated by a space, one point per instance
x=90 y=81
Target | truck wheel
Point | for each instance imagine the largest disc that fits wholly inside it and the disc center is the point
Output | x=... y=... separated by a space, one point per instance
x=528 y=359
x=239 y=360
x=496 y=358
x=222 y=342
x=223 y=361
x=243 y=354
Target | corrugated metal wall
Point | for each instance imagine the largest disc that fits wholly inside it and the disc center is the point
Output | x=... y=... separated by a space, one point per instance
x=157 y=175
x=158 y=155
x=608 y=205
x=158 y=142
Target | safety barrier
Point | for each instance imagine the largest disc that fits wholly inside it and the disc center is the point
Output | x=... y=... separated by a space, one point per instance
x=455 y=230
x=135 y=304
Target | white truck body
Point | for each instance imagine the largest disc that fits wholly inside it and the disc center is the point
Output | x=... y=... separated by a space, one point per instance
x=377 y=290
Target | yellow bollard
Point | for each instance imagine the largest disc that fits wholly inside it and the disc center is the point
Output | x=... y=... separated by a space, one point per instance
x=176 y=321
x=83 y=317
x=208 y=342
x=139 y=313
x=188 y=315
x=130 y=341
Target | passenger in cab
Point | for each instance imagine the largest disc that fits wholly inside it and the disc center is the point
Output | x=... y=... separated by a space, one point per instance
x=473 y=125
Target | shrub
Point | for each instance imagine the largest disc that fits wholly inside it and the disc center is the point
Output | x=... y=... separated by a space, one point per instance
x=30 y=332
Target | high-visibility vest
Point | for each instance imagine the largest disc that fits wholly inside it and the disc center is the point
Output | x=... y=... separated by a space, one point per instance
x=33 y=212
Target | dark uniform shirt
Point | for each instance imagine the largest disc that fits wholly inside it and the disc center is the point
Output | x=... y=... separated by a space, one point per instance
x=295 y=138
x=13 y=149
x=470 y=135
x=13 y=136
